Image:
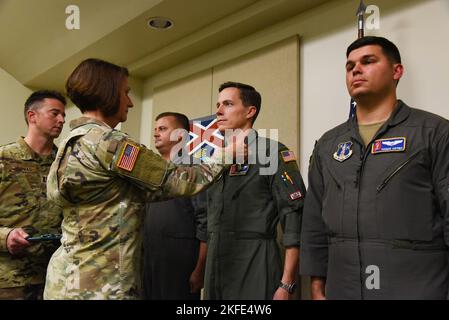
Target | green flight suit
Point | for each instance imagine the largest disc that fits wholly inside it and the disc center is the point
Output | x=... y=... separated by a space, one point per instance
x=376 y=217
x=243 y=258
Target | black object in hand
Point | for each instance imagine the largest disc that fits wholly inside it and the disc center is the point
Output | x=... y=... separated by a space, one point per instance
x=44 y=237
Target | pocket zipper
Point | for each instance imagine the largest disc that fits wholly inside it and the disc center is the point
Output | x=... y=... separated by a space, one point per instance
x=387 y=179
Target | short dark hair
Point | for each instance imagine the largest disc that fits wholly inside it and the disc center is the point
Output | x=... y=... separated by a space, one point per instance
x=37 y=97
x=388 y=47
x=248 y=95
x=95 y=85
x=180 y=118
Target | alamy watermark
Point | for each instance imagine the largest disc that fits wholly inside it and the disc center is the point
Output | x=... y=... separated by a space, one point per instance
x=373 y=17
x=372 y=281
x=73 y=21
x=261 y=151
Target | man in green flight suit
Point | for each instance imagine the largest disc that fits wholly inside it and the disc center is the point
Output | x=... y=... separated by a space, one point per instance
x=245 y=207
x=24 y=208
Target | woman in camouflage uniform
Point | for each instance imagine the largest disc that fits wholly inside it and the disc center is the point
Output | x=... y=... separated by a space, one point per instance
x=101 y=179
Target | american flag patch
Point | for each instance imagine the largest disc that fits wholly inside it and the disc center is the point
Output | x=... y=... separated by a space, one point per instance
x=288 y=156
x=128 y=157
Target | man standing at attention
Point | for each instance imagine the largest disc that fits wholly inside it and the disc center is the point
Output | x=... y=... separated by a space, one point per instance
x=376 y=215
x=245 y=207
x=24 y=209
x=175 y=230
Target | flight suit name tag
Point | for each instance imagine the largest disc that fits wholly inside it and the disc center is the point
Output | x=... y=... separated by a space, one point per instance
x=238 y=170
x=388 y=145
x=296 y=195
x=344 y=151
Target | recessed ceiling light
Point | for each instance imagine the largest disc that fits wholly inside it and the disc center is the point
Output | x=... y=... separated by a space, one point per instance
x=159 y=23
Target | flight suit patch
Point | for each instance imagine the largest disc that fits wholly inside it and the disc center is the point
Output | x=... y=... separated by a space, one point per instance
x=296 y=195
x=128 y=157
x=389 y=145
x=238 y=170
x=344 y=151
x=288 y=155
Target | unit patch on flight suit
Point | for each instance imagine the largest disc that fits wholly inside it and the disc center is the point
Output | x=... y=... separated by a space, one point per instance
x=344 y=151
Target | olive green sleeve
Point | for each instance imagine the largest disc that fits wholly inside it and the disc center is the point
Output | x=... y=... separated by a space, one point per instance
x=289 y=191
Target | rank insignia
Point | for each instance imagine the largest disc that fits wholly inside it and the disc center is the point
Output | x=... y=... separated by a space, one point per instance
x=238 y=170
x=343 y=152
x=296 y=195
x=388 y=145
x=128 y=157
x=288 y=155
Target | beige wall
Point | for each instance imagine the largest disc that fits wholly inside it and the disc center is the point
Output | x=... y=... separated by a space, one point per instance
x=418 y=27
x=12 y=96
x=273 y=70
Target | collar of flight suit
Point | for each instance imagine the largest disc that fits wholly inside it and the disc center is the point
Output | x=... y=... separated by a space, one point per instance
x=26 y=153
x=400 y=113
x=81 y=121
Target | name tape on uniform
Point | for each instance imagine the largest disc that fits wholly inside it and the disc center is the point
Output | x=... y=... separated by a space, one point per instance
x=388 y=145
x=296 y=195
x=128 y=157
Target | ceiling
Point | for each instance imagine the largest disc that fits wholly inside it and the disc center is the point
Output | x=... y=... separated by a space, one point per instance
x=39 y=51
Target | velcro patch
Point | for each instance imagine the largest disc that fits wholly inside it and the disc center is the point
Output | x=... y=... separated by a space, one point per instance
x=296 y=195
x=388 y=145
x=128 y=157
x=288 y=155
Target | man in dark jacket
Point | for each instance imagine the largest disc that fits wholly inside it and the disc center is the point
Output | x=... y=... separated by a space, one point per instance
x=175 y=230
x=245 y=207
x=376 y=216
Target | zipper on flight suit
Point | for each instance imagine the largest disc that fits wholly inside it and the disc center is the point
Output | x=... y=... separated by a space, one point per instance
x=363 y=156
x=399 y=168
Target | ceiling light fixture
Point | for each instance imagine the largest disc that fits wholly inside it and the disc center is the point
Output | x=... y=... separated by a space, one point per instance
x=159 y=23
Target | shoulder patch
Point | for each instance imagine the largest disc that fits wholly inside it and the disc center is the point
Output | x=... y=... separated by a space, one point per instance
x=288 y=155
x=128 y=157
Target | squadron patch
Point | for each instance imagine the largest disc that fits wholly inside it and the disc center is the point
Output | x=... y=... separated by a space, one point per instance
x=288 y=155
x=128 y=157
x=388 y=145
x=343 y=152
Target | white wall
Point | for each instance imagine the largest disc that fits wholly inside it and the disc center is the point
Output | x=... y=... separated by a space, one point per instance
x=12 y=96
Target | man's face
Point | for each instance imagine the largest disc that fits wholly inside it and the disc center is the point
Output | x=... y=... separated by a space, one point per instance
x=49 y=118
x=231 y=113
x=162 y=131
x=369 y=72
x=125 y=101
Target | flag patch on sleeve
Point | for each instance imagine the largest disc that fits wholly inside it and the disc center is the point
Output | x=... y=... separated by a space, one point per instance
x=128 y=157
x=288 y=155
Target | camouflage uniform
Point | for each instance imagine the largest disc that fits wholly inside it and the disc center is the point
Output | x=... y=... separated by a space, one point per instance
x=23 y=204
x=103 y=190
